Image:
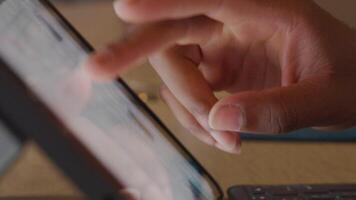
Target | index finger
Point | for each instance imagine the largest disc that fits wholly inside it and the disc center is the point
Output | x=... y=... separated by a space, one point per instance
x=147 y=40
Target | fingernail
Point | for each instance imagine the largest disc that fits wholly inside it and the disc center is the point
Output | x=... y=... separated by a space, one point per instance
x=226 y=118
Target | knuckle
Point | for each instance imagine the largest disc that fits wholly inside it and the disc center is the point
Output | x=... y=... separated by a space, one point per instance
x=282 y=118
x=273 y=123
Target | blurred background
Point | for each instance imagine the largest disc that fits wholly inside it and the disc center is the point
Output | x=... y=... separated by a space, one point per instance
x=261 y=162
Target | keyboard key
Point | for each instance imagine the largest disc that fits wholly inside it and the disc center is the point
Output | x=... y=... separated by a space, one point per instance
x=309 y=189
x=260 y=197
x=256 y=190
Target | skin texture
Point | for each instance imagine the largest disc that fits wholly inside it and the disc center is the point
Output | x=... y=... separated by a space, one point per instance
x=287 y=64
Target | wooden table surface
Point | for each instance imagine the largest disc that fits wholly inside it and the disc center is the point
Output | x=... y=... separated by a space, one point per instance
x=260 y=163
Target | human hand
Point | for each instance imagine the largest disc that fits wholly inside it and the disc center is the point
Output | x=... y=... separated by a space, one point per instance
x=287 y=64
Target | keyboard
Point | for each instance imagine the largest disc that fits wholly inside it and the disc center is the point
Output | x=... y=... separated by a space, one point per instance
x=294 y=192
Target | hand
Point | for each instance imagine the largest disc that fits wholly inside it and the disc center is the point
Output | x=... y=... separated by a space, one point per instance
x=287 y=64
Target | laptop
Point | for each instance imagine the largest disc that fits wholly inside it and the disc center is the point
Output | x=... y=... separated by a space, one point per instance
x=100 y=134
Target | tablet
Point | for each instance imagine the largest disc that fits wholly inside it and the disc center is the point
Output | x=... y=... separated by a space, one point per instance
x=99 y=133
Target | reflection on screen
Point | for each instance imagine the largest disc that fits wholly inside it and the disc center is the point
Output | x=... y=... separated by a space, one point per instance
x=101 y=115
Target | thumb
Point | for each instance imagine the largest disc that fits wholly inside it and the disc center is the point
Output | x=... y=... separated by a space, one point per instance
x=276 y=110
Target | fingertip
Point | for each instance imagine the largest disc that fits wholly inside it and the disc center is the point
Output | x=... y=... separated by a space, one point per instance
x=97 y=68
x=237 y=150
x=227 y=141
x=93 y=67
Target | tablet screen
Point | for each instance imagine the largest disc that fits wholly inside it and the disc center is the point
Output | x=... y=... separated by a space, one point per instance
x=103 y=116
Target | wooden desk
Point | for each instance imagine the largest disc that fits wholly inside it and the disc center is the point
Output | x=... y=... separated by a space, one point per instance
x=260 y=163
